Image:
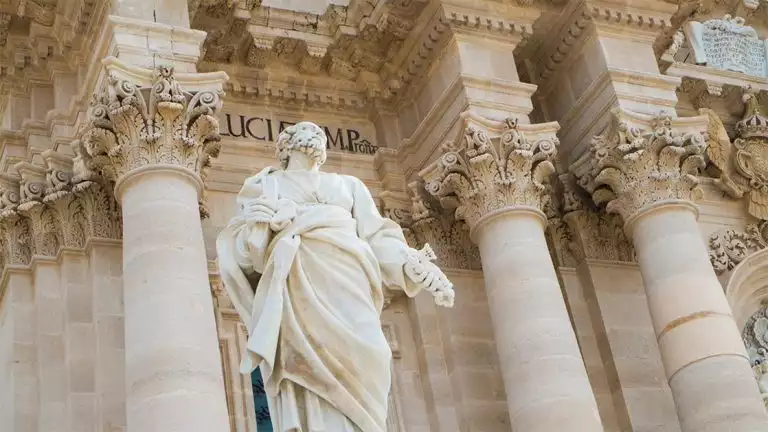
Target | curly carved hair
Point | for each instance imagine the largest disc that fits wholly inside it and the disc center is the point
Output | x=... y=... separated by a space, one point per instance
x=305 y=137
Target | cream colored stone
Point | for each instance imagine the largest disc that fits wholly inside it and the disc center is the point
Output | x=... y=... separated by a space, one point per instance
x=394 y=74
x=314 y=238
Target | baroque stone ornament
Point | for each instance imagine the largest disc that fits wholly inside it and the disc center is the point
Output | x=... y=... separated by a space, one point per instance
x=494 y=165
x=641 y=160
x=743 y=164
x=755 y=337
x=727 y=248
x=450 y=237
x=131 y=126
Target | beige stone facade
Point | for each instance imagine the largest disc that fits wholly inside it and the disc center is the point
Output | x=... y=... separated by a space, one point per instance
x=592 y=175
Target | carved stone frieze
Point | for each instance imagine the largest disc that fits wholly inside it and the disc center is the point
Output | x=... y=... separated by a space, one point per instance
x=729 y=247
x=641 y=160
x=131 y=126
x=493 y=167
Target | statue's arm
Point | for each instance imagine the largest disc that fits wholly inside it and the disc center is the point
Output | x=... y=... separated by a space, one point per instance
x=240 y=249
x=402 y=267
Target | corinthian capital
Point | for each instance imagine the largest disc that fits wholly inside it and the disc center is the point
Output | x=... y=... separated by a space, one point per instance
x=493 y=167
x=142 y=117
x=642 y=160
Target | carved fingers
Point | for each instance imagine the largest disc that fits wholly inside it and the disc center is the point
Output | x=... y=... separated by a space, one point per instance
x=259 y=211
x=430 y=278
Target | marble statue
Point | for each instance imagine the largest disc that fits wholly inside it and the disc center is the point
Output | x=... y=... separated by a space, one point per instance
x=305 y=263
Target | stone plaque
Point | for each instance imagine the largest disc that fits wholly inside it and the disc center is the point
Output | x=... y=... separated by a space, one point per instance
x=728 y=44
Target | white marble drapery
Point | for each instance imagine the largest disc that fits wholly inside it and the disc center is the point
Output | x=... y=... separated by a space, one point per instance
x=313 y=320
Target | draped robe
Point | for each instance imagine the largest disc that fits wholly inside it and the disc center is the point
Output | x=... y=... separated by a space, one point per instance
x=313 y=317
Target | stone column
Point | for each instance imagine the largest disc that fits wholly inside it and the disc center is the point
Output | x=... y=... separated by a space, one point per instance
x=497 y=176
x=646 y=169
x=156 y=139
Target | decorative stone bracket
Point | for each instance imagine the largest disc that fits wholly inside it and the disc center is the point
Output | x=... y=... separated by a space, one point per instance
x=495 y=165
x=641 y=160
x=142 y=117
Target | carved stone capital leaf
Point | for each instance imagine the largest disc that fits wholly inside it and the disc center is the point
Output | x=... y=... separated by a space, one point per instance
x=494 y=166
x=641 y=160
x=143 y=117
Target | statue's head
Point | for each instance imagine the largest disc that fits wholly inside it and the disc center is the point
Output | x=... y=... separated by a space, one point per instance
x=305 y=137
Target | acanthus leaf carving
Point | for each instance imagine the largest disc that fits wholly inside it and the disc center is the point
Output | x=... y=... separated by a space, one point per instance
x=132 y=126
x=729 y=247
x=43 y=229
x=173 y=127
x=481 y=174
x=448 y=237
x=629 y=167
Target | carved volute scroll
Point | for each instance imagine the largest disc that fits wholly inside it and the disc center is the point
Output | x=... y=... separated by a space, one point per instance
x=641 y=160
x=131 y=125
x=494 y=166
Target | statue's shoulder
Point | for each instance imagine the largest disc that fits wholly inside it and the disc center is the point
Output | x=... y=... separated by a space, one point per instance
x=261 y=176
x=254 y=186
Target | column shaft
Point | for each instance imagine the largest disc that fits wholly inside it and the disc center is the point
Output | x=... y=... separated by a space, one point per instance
x=704 y=358
x=544 y=375
x=174 y=377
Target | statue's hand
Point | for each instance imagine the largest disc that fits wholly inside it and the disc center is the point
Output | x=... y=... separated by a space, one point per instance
x=259 y=211
x=278 y=214
x=428 y=276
